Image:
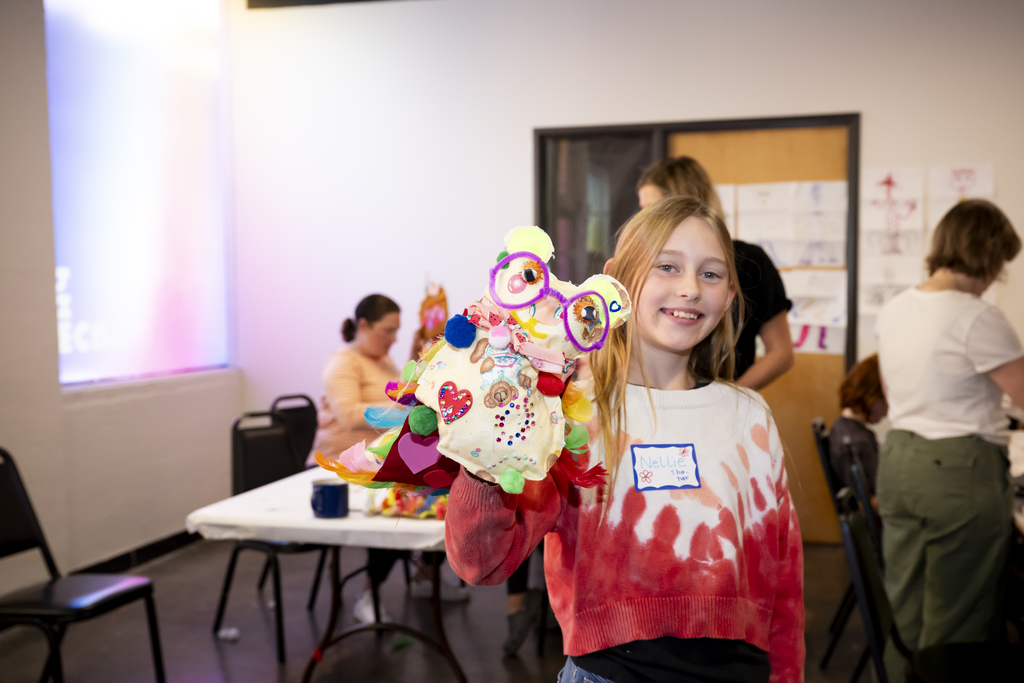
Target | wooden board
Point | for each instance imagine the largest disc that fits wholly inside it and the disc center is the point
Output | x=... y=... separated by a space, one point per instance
x=767 y=156
x=811 y=388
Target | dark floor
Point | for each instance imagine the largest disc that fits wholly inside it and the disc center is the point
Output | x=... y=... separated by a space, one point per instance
x=115 y=647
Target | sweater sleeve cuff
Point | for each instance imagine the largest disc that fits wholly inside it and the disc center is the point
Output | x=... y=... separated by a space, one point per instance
x=481 y=495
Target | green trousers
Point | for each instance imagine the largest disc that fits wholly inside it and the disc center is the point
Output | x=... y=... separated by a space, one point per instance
x=947 y=513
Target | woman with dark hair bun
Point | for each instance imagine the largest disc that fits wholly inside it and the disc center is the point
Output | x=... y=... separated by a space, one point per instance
x=355 y=377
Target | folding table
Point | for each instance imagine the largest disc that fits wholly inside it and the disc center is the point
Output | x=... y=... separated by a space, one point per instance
x=281 y=511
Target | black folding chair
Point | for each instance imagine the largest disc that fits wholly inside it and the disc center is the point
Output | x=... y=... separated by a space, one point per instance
x=821 y=440
x=861 y=491
x=52 y=605
x=300 y=413
x=944 y=663
x=849 y=601
x=261 y=453
x=868 y=585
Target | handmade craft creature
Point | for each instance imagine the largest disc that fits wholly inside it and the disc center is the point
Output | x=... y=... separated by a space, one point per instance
x=433 y=315
x=493 y=395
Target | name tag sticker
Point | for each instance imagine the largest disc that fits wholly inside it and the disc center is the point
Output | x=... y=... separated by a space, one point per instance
x=665 y=466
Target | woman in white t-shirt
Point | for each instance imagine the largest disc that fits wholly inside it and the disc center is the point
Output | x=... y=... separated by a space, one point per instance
x=944 y=495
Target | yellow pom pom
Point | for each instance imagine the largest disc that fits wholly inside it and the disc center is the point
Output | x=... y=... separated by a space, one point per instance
x=531 y=239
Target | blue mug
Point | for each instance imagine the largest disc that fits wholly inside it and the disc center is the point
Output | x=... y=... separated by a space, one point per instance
x=330 y=498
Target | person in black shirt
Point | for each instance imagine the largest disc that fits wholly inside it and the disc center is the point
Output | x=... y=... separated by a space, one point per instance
x=766 y=306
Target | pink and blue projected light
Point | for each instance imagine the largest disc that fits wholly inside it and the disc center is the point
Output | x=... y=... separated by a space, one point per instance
x=136 y=145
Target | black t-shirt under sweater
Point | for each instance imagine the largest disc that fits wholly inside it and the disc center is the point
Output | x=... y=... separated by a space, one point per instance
x=680 y=660
x=764 y=297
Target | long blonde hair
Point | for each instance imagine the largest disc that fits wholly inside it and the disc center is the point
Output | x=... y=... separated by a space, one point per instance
x=639 y=243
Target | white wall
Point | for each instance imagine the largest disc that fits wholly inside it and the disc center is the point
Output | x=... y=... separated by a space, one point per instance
x=109 y=468
x=378 y=144
x=30 y=426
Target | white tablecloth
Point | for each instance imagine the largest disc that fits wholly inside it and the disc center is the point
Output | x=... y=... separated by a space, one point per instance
x=281 y=512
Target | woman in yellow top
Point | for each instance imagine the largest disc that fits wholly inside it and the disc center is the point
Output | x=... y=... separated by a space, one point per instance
x=355 y=377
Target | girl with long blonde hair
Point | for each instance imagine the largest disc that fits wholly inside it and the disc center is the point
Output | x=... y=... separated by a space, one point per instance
x=687 y=563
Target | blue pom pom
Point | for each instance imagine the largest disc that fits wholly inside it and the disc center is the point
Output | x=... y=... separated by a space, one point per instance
x=459 y=332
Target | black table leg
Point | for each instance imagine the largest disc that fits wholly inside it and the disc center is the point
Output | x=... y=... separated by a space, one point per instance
x=440 y=645
x=333 y=619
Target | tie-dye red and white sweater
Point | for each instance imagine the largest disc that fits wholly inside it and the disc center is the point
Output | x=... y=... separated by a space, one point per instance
x=722 y=560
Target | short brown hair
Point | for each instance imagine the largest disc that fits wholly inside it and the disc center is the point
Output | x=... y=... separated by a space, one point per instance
x=862 y=387
x=974 y=238
x=682 y=175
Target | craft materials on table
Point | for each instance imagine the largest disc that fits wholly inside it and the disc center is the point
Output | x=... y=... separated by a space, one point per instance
x=496 y=393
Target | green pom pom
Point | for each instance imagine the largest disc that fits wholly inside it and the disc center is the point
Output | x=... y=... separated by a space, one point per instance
x=501 y=256
x=577 y=438
x=422 y=420
x=409 y=371
x=511 y=481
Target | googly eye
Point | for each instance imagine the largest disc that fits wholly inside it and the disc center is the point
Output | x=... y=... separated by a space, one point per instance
x=585 y=311
x=530 y=276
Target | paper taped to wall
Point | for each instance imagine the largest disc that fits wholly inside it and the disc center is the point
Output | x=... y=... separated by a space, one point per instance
x=815 y=283
x=961 y=180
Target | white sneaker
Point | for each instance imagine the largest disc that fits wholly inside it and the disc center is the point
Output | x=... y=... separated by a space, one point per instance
x=424 y=588
x=362 y=610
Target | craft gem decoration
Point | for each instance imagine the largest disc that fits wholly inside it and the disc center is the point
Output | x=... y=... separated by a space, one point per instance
x=454 y=403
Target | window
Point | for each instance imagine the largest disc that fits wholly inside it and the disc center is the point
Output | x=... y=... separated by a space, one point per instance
x=136 y=144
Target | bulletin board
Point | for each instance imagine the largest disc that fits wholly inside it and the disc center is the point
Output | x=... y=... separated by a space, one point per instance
x=811 y=388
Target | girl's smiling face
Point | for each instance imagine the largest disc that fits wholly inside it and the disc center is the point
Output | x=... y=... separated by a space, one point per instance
x=686 y=292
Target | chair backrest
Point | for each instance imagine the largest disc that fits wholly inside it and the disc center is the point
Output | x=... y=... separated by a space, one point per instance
x=300 y=412
x=19 y=528
x=821 y=440
x=866 y=575
x=261 y=451
x=860 y=490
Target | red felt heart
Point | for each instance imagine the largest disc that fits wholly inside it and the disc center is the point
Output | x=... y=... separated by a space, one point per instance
x=454 y=402
x=439 y=479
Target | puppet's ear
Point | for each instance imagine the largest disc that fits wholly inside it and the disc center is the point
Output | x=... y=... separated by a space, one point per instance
x=614 y=294
x=531 y=239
